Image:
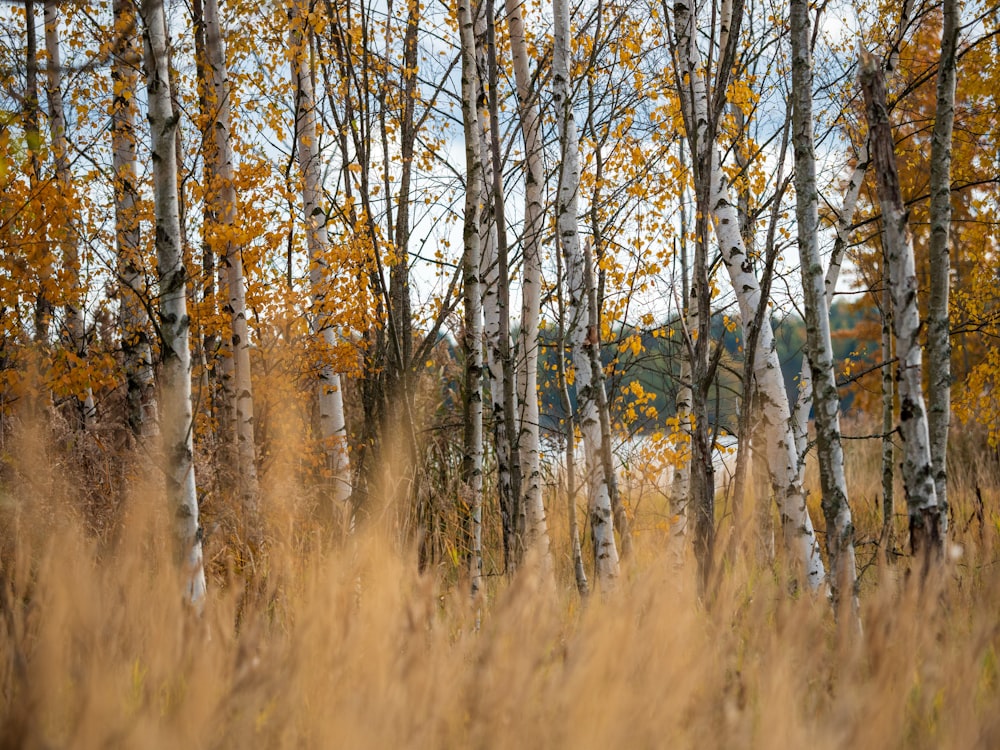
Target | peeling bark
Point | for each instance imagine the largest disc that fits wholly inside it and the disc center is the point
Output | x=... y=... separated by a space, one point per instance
x=819 y=347
x=938 y=327
x=472 y=460
x=582 y=337
x=926 y=534
x=536 y=531
x=174 y=324
x=333 y=426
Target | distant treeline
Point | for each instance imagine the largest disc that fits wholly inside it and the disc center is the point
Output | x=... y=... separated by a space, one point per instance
x=651 y=357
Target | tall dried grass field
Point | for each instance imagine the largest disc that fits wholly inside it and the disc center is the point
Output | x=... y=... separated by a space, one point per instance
x=324 y=639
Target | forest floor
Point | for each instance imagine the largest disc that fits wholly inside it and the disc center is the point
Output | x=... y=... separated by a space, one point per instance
x=321 y=642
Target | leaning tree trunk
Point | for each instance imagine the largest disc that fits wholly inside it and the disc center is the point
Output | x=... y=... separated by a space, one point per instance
x=800 y=538
x=536 y=531
x=926 y=533
x=582 y=336
x=67 y=232
x=333 y=425
x=140 y=393
x=819 y=347
x=174 y=324
x=938 y=329
x=845 y=220
x=472 y=461
x=219 y=179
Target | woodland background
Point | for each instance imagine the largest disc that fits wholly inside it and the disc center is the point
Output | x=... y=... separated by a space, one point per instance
x=382 y=373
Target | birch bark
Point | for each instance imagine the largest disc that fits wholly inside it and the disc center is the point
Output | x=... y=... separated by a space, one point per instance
x=579 y=571
x=938 y=328
x=495 y=296
x=799 y=535
x=926 y=534
x=845 y=219
x=819 y=347
x=472 y=461
x=333 y=425
x=583 y=338
x=137 y=354
x=175 y=387
x=536 y=532
x=680 y=486
x=219 y=177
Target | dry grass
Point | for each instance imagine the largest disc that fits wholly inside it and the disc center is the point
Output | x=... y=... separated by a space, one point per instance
x=343 y=644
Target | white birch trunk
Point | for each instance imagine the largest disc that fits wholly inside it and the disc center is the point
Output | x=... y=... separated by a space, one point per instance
x=581 y=335
x=536 y=531
x=333 y=425
x=138 y=357
x=220 y=178
x=472 y=462
x=175 y=388
x=579 y=570
x=819 y=347
x=845 y=219
x=918 y=480
x=799 y=535
x=938 y=326
x=493 y=312
x=680 y=487
x=67 y=236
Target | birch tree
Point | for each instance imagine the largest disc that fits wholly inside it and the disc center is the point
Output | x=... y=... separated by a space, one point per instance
x=938 y=320
x=472 y=461
x=496 y=294
x=800 y=538
x=174 y=324
x=333 y=426
x=926 y=533
x=223 y=205
x=819 y=347
x=141 y=411
x=531 y=283
x=697 y=363
x=583 y=335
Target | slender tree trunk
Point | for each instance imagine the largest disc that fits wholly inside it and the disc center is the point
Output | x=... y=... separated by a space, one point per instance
x=579 y=571
x=748 y=435
x=888 y=399
x=845 y=220
x=800 y=538
x=67 y=232
x=583 y=337
x=938 y=328
x=138 y=357
x=819 y=347
x=495 y=296
x=681 y=484
x=701 y=491
x=33 y=140
x=926 y=534
x=175 y=387
x=536 y=534
x=219 y=178
x=333 y=426
x=472 y=462
x=508 y=380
